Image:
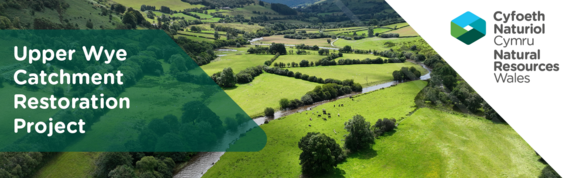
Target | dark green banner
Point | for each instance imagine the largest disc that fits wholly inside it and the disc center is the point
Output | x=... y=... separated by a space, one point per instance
x=116 y=91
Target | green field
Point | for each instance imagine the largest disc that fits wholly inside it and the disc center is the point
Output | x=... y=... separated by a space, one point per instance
x=281 y=39
x=398 y=25
x=244 y=26
x=405 y=31
x=266 y=90
x=342 y=30
x=193 y=37
x=375 y=30
x=358 y=56
x=69 y=164
x=429 y=143
x=279 y=158
x=173 y=5
x=236 y=60
x=313 y=57
x=375 y=73
x=204 y=35
x=374 y=43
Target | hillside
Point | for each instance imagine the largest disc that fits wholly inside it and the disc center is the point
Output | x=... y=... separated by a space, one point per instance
x=293 y=3
x=64 y=14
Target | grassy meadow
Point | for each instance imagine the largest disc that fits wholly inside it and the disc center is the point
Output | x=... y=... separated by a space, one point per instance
x=281 y=39
x=398 y=25
x=375 y=30
x=173 y=5
x=81 y=162
x=429 y=143
x=279 y=158
x=405 y=31
x=266 y=90
x=237 y=60
x=374 y=43
x=375 y=73
x=312 y=57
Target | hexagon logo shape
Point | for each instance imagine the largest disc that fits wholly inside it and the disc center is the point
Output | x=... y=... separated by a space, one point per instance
x=468 y=28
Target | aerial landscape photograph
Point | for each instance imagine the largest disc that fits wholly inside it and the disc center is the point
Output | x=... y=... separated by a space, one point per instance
x=334 y=88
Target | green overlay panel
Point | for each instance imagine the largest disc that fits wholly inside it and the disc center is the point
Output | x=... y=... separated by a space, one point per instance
x=143 y=94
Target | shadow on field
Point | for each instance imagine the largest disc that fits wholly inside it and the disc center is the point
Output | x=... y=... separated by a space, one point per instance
x=229 y=88
x=390 y=133
x=336 y=173
x=364 y=154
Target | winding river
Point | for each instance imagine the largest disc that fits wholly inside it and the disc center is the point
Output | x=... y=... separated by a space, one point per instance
x=200 y=163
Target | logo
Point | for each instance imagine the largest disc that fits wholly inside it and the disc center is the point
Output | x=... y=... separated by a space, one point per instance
x=468 y=28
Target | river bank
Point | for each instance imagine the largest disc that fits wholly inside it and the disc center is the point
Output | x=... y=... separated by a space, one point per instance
x=202 y=162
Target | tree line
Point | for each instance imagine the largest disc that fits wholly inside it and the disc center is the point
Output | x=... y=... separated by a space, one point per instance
x=458 y=95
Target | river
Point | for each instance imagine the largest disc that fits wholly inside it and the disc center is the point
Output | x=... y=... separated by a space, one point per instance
x=200 y=163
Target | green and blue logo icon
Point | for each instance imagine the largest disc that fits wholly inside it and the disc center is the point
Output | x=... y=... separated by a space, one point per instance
x=468 y=28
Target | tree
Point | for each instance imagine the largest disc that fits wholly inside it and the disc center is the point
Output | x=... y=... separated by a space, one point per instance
x=384 y=125
x=153 y=165
x=373 y=22
x=269 y=112
x=216 y=36
x=298 y=75
x=129 y=19
x=346 y=49
x=89 y=24
x=320 y=153
x=491 y=114
x=227 y=77
x=307 y=99
x=360 y=136
x=329 y=41
x=396 y=75
x=277 y=48
x=370 y=32
x=108 y=161
x=284 y=103
x=119 y=8
x=122 y=171
x=303 y=63
x=449 y=81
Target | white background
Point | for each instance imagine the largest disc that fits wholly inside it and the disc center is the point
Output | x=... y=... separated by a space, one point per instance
x=538 y=110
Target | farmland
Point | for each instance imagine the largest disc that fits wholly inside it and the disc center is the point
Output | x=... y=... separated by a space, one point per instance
x=374 y=43
x=174 y=5
x=374 y=73
x=236 y=60
x=435 y=137
x=281 y=39
x=427 y=143
x=279 y=158
x=266 y=91
x=406 y=31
